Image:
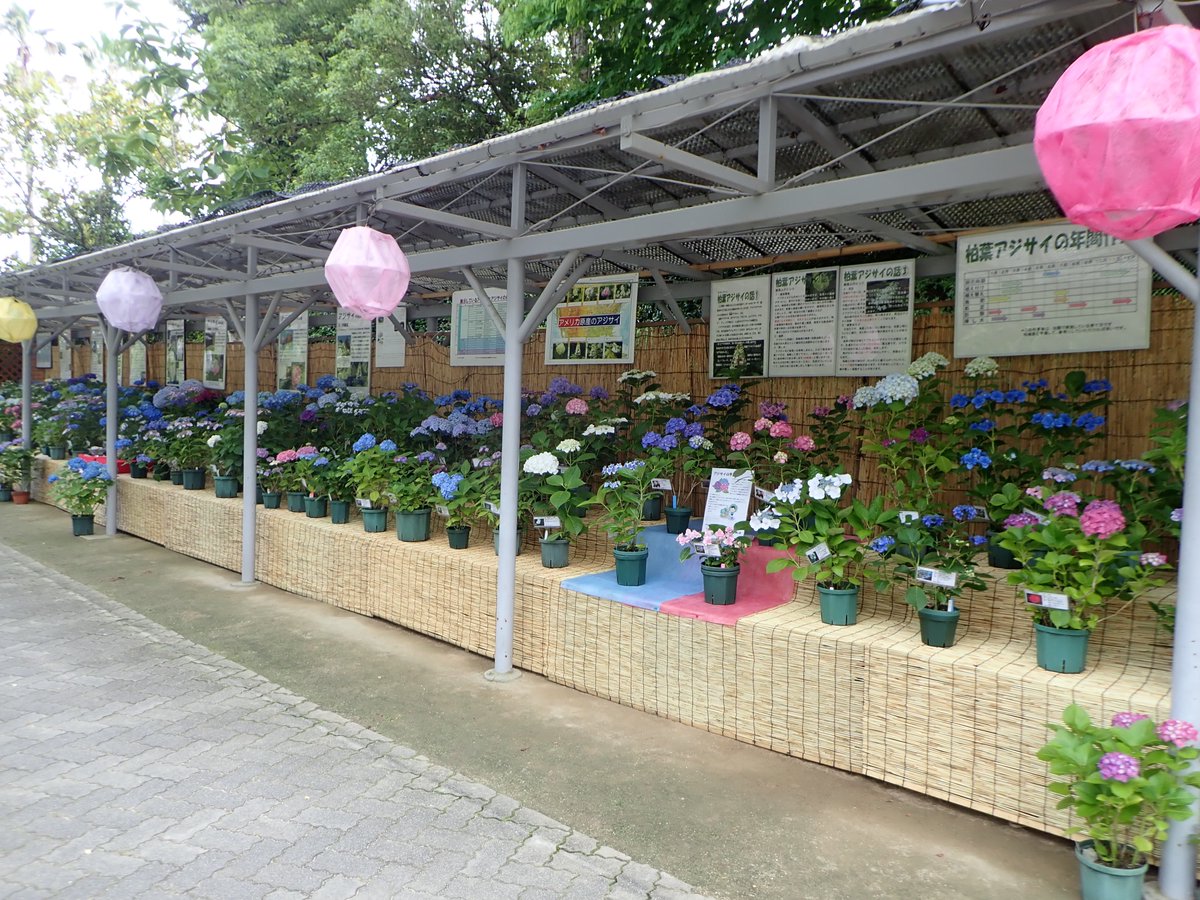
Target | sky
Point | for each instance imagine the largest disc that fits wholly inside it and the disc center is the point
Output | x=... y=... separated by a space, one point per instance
x=73 y=22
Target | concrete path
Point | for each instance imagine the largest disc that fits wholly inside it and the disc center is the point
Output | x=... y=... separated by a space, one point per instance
x=135 y=763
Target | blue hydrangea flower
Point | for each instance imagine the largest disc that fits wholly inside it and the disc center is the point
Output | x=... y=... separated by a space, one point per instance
x=882 y=544
x=963 y=513
x=366 y=442
x=1089 y=422
x=532 y=410
x=933 y=521
x=983 y=425
x=387 y=446
x=1098 y=386
x=975 y=458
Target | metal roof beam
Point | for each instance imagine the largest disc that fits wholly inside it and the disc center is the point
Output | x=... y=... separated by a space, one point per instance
x=277 y=246
x=648 y=148
x=650 y=264
x=908 y=239
x=185 y=269
x=441 y=217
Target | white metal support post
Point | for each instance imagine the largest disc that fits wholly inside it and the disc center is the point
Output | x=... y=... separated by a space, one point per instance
x=510 y=445
x=112 y=355
x=250 y=344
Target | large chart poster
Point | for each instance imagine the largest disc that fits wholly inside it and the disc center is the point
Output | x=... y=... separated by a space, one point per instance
x=66 y=346
x=96 y=358
x=135 y=363
x=739 y=322
x=175 y=367
x=216 y=342
x=804 y=308
x=352 y=363
x=390 y=345
x=44 y=356
x=874 y=331
x=595 y=323
x=1049 y=289
x=474 y=338
x=291 y=355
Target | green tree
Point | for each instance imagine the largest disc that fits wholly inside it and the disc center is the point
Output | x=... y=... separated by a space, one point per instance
x=625 y=45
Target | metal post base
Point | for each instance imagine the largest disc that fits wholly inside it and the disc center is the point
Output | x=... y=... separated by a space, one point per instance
x=501 y=677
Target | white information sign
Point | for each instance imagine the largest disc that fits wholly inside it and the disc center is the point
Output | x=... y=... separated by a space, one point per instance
x=352 y=362
x=390 y=345
x=595 y=323
x=135 y=363
x=175 y=368
x=1047 y=599
x=474 y=338
x=728 y=501
x=804 y=311
x=45 y=354
x=875 y=310
x=1049 y=289
x=739 y=325
x=96 y=359
x=216 y=342
x=66 y=346
x=936 y=577
x=818 y=553
x=291 y=355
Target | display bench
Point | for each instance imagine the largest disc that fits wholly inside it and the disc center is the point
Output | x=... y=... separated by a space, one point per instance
x=961 y=724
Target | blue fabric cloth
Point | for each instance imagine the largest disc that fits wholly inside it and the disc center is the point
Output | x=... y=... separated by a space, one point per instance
x=666 y=577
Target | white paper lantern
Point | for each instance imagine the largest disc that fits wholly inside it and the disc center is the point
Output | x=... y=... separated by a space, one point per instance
x=368 y=272
x=130 y=300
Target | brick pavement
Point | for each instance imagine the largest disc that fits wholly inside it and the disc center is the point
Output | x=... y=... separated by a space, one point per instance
x=135 y=763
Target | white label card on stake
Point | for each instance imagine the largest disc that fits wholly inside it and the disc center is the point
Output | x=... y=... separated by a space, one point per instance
x=491 y=507
x=711 y=551
x=661 y=484
x=937 y=577
x=547 y=522
x=908 y=516
x=763 y=494
x=363 y=503
x=1047 y=600
x=818 y=553
x=1041 y=520
x=443 y=511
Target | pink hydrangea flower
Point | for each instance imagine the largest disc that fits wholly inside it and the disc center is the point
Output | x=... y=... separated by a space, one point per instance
x=1020 y=520
x=1177 y=732
x=497 y=419
x=762 y=424
x=688 y=537
x=307 y=450
x=804 y=444
x=1102 y=519
x=820 y=412
x=739 y=441
x=286 y=456
x=1064 y=503
x=577 y=406
x=1118 y=766
x=1125 y=719
x=1035 y=492
x=780 y=458
x=781 y=430
x=1154 y=559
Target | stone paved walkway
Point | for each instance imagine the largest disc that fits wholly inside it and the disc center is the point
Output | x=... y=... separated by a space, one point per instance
x=134 y=763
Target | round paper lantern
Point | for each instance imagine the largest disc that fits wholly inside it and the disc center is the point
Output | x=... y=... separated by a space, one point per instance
x=17 y=320
x=130 y=300
x=1118 y=138
x=368 y=272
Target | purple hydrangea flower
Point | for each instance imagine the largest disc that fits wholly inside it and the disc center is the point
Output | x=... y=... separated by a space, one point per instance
x=1118 y=766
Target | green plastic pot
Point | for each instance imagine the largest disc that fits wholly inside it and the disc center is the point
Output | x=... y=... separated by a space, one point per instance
x=496 y=540
x=137 y=470
x=56 y=452
x=631 y=566
x=938 y=626
x=678 y=519
x=374 y=520
x=839 y=606
x=193 y=479
x=413 y=526
x=1100 y=882
x=339 y=511
x=720 y=584
x=5 y=495
x=271 y=499
x=652 y=508
x=225 y=486
x=177 y=477
x=555 y=553
x=998 y=556
x=295 y=501
x=458 y=536
x=162 y=472
x=83 y=525
x=316 y=507
x=1061 y=649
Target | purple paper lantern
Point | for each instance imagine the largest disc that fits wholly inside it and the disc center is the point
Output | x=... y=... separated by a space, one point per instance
x=130 y=300
x=368 y=272
x=1118 y=138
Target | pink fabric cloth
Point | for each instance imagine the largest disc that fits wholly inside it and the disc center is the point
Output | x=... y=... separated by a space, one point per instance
x=757 y=591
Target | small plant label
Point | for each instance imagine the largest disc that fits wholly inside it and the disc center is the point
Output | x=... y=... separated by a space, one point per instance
x=491 y=507
x=1047 y=599
x=763 y=494
x=818 y=553
x=661 y=484
x=547 y=522
x=936 y=577
x=979 y=512
x=907 y=516
x=362 y=503
x=1041 y=520
x=443 y=511
x=711 y=551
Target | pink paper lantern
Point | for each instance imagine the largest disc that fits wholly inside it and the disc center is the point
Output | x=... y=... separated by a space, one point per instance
x=1118 y=139
x=130 y=300
x=368 y=272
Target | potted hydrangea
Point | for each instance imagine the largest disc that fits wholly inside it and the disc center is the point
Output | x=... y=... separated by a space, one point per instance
x=79 y=488
x=413 y=494
x=16 y=464
x=1124 y=783
x=561 y=523
x=370 y=470
x=622 y=497
x=720 y=548
x=460 y=503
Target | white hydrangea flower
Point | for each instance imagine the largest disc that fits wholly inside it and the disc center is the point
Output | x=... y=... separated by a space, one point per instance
x=214 y=440
x=982 y=367
x=898 y=386
x=765 y=519
x=791 y=492
x=598 y=429
x=866 y=396
x=569 y=445
x=827 y=487
x=262 y=427
x=636 y=376
x=545 y=463
x=926 y=366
